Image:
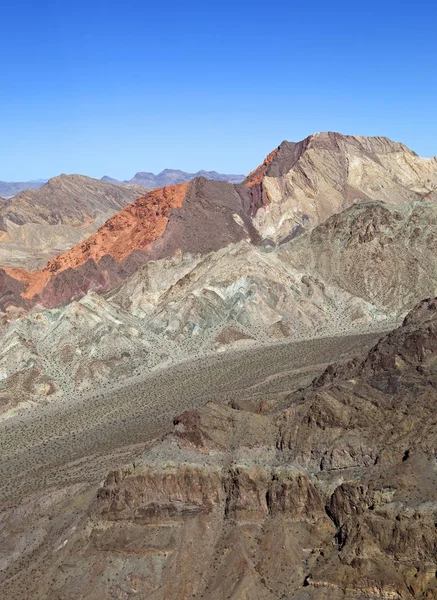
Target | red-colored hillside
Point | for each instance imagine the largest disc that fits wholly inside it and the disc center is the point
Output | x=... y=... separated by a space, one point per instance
x=190 y=217
x=133 y=228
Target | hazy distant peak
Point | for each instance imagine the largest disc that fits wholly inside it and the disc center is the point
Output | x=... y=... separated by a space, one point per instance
x=172 y=177
x=143 y=174
x=168 y=171
x=10 y=188
x=107 y=179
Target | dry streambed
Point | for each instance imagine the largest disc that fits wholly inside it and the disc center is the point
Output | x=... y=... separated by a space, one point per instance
x=46 y=445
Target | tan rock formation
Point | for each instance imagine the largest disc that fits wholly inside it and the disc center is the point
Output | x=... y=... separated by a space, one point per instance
x=307 y=182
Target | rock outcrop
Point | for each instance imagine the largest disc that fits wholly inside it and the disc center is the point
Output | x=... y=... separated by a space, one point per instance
x=302 y=184
x=332 y=496
x=357 y=451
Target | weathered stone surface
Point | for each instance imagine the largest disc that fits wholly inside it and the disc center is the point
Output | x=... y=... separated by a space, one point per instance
x=331 y=496
x=304 y=183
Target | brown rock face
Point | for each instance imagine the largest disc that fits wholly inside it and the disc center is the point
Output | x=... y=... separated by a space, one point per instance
x=332 y=494
x=332 y=497
x=410 y=346
x=231 y=517
x=11 y=289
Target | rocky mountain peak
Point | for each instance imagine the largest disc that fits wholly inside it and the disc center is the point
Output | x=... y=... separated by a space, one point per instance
x=302 y=184
x=298 y=186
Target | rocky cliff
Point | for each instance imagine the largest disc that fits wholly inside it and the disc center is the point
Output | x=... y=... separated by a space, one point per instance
x=328 y=495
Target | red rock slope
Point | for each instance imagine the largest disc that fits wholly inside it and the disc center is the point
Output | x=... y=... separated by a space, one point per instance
x=192 y=217
x=258 y=174
x=133 y=228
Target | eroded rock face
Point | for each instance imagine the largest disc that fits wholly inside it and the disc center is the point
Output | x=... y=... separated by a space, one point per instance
x=372 y=250
x=333 y=496
x=302 y=184
x=213 y=520
x=350 y=462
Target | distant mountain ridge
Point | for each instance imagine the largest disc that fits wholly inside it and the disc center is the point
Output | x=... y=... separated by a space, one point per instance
x=8 y=189
x=11 y=188
x=173 y=177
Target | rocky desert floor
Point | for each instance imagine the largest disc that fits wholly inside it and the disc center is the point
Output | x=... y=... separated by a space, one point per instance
x=75 y=440
x=55 y=456
x=183 y=482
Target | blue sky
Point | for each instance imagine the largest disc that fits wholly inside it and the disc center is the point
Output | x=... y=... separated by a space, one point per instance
x=117 y=87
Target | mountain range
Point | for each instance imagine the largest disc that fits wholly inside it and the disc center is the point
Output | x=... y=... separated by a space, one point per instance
x=172 y=177
x=254 y=365
x=143 y=179
x=11 y=188
x=297 y=187
x=199 y=266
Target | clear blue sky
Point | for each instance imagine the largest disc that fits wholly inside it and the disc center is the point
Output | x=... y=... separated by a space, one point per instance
x=116 y=87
